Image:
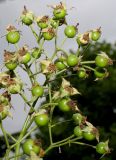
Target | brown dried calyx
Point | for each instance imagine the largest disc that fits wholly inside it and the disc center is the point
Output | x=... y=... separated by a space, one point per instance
x=99 y=29
x=60 y=6
x=69 y=89
x=23 y=51
x=8 y=55
x=86 y=36
x=1 y=107
x=51 y=67
x=7 y=95
x=11 y=81
x=11 y=28
x=72 y=104
x=25 y=11
x=44 y=19
x=49 y=30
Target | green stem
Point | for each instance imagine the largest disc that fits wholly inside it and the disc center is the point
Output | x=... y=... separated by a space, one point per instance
x=22 y=133
x=86 y=48
x=48 y=149
x=84 y=144
x=87 y=62
x=16 y=46
x=60 y=72
x=5 y=135
x=55 y=51
x=78 y=51
x=64 y=40
x=51 y=112
x=49 y=104
x=25 y=98
x=29 y=72
x=66 y=139
x=34 y=33
x=11 y=136
x=58 y=123
x=88 y=67
x=40 y=48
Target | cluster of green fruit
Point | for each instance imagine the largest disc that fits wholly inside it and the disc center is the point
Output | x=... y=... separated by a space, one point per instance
x=51 y=67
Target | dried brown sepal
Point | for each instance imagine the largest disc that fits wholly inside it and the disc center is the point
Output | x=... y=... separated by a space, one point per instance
x=8 y=56
x=11 y=81
x=41 y=153
x=86 y=36
x=44 y=19
x=23 y=50
x=49 y=30
x=7 y=95
x=51 y=68
x=11 y=28
x=1 y=108
x=25 y=11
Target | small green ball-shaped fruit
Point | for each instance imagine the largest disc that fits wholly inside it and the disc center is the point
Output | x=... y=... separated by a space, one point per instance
x=26 y=58
x=48 y=36
x=11 y=65
x=77 y=117
x=70 y=31
x=60 y=65
x=78 y=131
x=30 y=146
x=72 y=60
x=89 y=135
x=41 y=119
x=95 y=35
x=101 y=61
x=101 y=148
x=59 y=13
x=13 y=37
x=37 y=91
x=63 y=105
x=82 y=73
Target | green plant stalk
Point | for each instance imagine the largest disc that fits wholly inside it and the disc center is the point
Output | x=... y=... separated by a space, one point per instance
x=11 y=136
x=67 y=141
x=34 y=33
x=88 y=67
x=84 y=144
x=48 y=104
x=25 y=99
x=22 y=133
x=86 y=48
x=24 y=137
x=51 y=112
x=87 y=62
x=58 y=123
x=29 y=72
x=55 y=51
x=5 y=134
x=64 y=40
x=40 y=48
x=78 y=51
x=16 y=46
x=56 y=144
